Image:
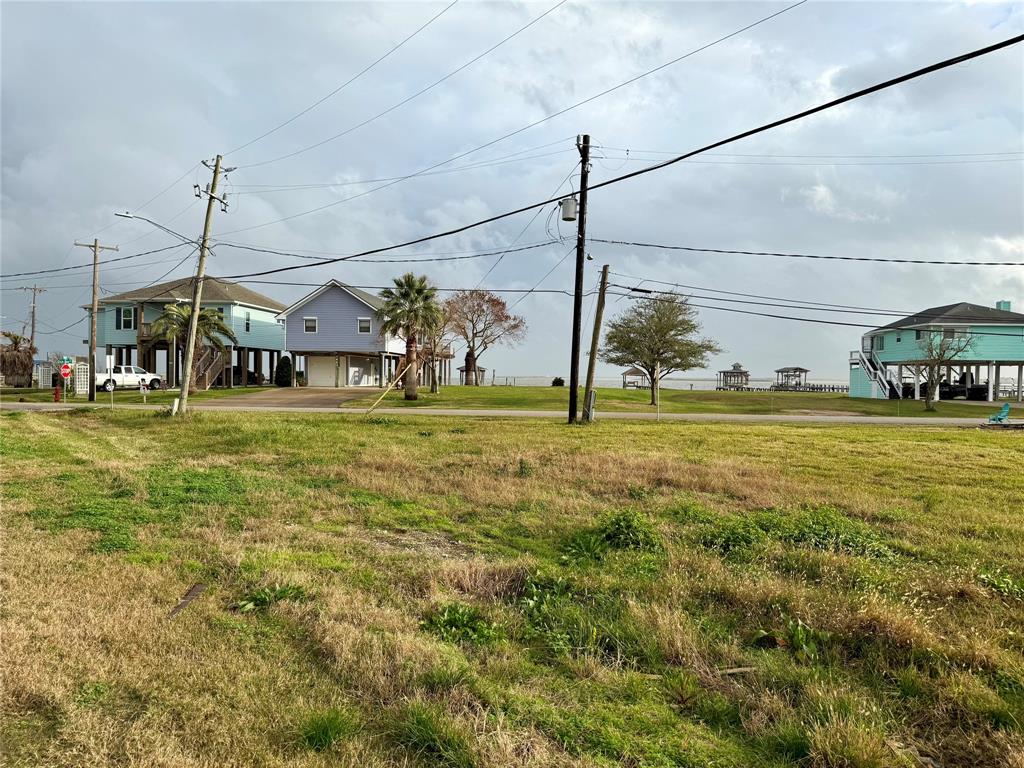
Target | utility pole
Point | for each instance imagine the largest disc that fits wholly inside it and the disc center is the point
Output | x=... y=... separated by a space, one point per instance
x=197 y=288
x=588 y=414
x=32 y=314
x=577 y=298
x=96 y=248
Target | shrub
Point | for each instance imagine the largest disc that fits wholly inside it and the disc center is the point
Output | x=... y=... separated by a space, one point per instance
x=461 y=623
x=429 y=734
x=322 y=729
x=558 y=381
x=624 y=529
x=628 y=529
x=283 y=372
x=264 y=597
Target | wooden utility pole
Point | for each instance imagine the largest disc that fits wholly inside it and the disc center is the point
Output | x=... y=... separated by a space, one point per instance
x=577 y=298
x=96 y=248
x=197 y=288
x=32 y=314
x=595 y=339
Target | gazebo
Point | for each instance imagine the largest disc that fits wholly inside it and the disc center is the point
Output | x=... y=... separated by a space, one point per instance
x=791 y=377
x=634 y=378
x=481 y=376
x=734 y=378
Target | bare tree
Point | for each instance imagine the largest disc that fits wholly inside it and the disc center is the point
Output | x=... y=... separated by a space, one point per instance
x=482 y=319
x=436 y=339
x=940 y=348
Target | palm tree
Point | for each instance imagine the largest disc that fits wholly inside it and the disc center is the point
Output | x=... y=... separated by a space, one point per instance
x=211 y=330
x=16 y=360
x=410 y=309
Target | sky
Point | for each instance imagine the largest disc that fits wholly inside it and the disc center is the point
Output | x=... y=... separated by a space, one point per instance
x=104 y=105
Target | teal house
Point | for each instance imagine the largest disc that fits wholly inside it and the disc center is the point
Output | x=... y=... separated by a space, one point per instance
x=124 y=332
x=983 y=359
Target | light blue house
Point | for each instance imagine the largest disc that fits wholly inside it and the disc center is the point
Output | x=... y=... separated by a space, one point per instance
x=334 y=335
x=988 y=363
x=124 y=331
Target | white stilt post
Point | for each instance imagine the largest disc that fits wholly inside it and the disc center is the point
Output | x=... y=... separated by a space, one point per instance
x=917 y=382
x=990 y=382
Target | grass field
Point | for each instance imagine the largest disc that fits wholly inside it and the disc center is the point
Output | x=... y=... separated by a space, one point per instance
x=678 y=401
x=409 y=591
x=124 y=396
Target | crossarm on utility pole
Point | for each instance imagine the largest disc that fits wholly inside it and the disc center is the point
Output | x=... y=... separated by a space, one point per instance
x=197 y=294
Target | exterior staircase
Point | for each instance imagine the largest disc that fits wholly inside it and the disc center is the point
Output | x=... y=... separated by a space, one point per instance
x=208 y=367
x=883 y=379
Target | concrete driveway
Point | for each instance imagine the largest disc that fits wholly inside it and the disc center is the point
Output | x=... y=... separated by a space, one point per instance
x=289 y=397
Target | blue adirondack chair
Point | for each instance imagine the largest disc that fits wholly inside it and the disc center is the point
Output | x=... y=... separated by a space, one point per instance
x=1002 y=417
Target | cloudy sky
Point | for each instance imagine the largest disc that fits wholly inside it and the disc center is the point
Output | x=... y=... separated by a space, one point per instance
x=106 y=104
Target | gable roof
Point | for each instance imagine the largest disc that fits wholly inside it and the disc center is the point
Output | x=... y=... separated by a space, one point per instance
x=372 y=301
x=215 y=291
x=961 y=313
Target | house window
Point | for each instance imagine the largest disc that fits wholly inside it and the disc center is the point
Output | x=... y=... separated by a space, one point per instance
x=949 y=333
x=879 y=343
x=898 y=338
x=918 y=335
x=127 y=318
x=363 y=324
x=248 y=323
x=309 y=324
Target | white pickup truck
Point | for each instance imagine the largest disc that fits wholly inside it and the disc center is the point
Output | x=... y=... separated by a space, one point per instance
x=126 y=377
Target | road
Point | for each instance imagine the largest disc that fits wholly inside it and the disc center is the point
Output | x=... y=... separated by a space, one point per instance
x=525 y=414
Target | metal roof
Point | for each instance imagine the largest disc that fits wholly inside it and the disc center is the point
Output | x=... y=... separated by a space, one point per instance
x=215 y=291
x=961 y=313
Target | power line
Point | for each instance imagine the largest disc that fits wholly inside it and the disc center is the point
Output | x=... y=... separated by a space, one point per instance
x=547 y=274
x=859 y=164
x=425 y=257
x=786 y=303
x=84 y=266
x=526 y=227
x=348 y=82
x=526 y=127
x=382 y=287
x=760 y=129
x=809 y=255
x=406 y=100
x=814 y=320
x=331 y=185
x=61 y=330
x=840 y=157
x=748 y=295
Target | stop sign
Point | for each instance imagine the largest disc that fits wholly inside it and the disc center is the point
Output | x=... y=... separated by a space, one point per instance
x=65 y=371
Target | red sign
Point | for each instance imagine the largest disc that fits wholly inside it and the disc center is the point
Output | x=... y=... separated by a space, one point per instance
x=65 y=371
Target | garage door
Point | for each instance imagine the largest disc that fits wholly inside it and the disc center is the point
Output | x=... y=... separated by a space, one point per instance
x=322 y=371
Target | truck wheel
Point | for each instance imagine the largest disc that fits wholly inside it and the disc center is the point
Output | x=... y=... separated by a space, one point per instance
x=108 y=385
x=154 y=384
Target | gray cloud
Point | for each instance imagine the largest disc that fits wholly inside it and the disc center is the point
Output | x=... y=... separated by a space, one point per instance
x=91 y=130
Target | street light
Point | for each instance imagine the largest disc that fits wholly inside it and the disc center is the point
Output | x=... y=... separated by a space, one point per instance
x=127 y=215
